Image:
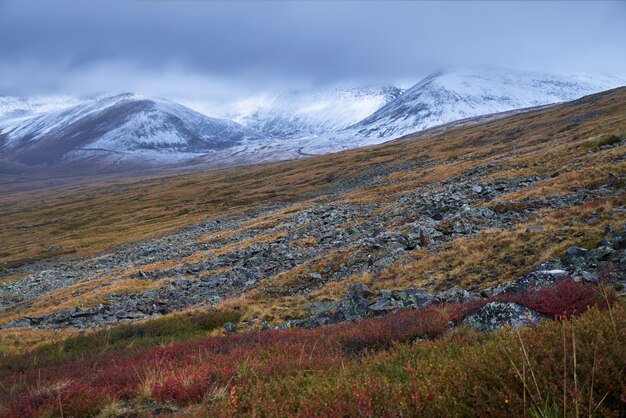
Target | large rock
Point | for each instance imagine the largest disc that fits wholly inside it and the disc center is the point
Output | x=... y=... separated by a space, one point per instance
x=413 y=298
x=409 y=241
x=357 y=291
x=385 y=304
x=496 y=315
x=528 y=282
x=322 y=308
x=600 y=253
x=390 y=301
x=572 y=253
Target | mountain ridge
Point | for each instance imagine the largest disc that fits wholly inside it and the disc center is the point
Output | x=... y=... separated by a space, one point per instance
x=115 y=128
x=456 y=93
x=128 y=132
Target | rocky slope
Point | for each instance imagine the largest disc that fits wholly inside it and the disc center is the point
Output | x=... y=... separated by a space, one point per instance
x=423 y=215
x=428 y=218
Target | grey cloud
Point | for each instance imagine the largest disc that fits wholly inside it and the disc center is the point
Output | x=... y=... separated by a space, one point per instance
x=124 y=45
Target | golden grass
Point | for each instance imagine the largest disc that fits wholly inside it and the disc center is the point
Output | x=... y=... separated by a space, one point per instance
x=14 y=341
x=88 y=218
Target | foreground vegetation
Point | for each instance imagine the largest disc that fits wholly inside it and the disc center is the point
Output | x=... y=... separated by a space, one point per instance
x=127 y=337
x=405 y=363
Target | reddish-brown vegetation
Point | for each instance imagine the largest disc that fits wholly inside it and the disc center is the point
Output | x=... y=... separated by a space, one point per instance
x=190 y=373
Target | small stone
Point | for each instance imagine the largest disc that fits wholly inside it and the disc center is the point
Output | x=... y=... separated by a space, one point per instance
x=487 y=213
x=121 y=314
x=409 y=241
x=534 y=228
x=464 y=209
x=229 y=327
x=384 y=262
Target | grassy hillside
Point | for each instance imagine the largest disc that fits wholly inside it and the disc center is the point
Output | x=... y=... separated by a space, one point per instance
x=115 y=295
x=88 y=218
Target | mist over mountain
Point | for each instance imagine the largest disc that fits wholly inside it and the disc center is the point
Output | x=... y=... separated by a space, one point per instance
x=315 y=112
x=129 y=131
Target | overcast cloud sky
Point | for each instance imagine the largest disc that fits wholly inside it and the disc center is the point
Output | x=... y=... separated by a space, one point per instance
x=220 y=51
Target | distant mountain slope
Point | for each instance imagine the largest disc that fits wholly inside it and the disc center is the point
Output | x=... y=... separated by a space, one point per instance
x=300 y=114
x=454 y=94
x=115 y=129
x=129 y=132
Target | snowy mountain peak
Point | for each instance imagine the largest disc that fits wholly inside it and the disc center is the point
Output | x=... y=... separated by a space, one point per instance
x=454 y=93
x=132 y=130
x=118 y=127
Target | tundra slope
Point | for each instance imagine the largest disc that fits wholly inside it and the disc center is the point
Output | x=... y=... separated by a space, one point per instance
x=392 y=215
x=483 y=212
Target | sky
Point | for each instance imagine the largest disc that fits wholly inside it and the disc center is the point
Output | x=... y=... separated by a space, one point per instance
x=220 y=51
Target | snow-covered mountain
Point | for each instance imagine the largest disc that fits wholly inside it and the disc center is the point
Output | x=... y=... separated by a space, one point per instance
x=454 y=94
x=129 y=131
x=116 y=130
x=298 y=114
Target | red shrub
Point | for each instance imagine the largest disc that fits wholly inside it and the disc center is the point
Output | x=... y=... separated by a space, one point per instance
x=561 y=300
x=187 y=372
x=458 y=311
x=400 y=326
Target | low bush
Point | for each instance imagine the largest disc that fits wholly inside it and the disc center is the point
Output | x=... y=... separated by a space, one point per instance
x=563 y=299
x=135 y=336
x=604 y=140
x=464 y=374
x=373 y=367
